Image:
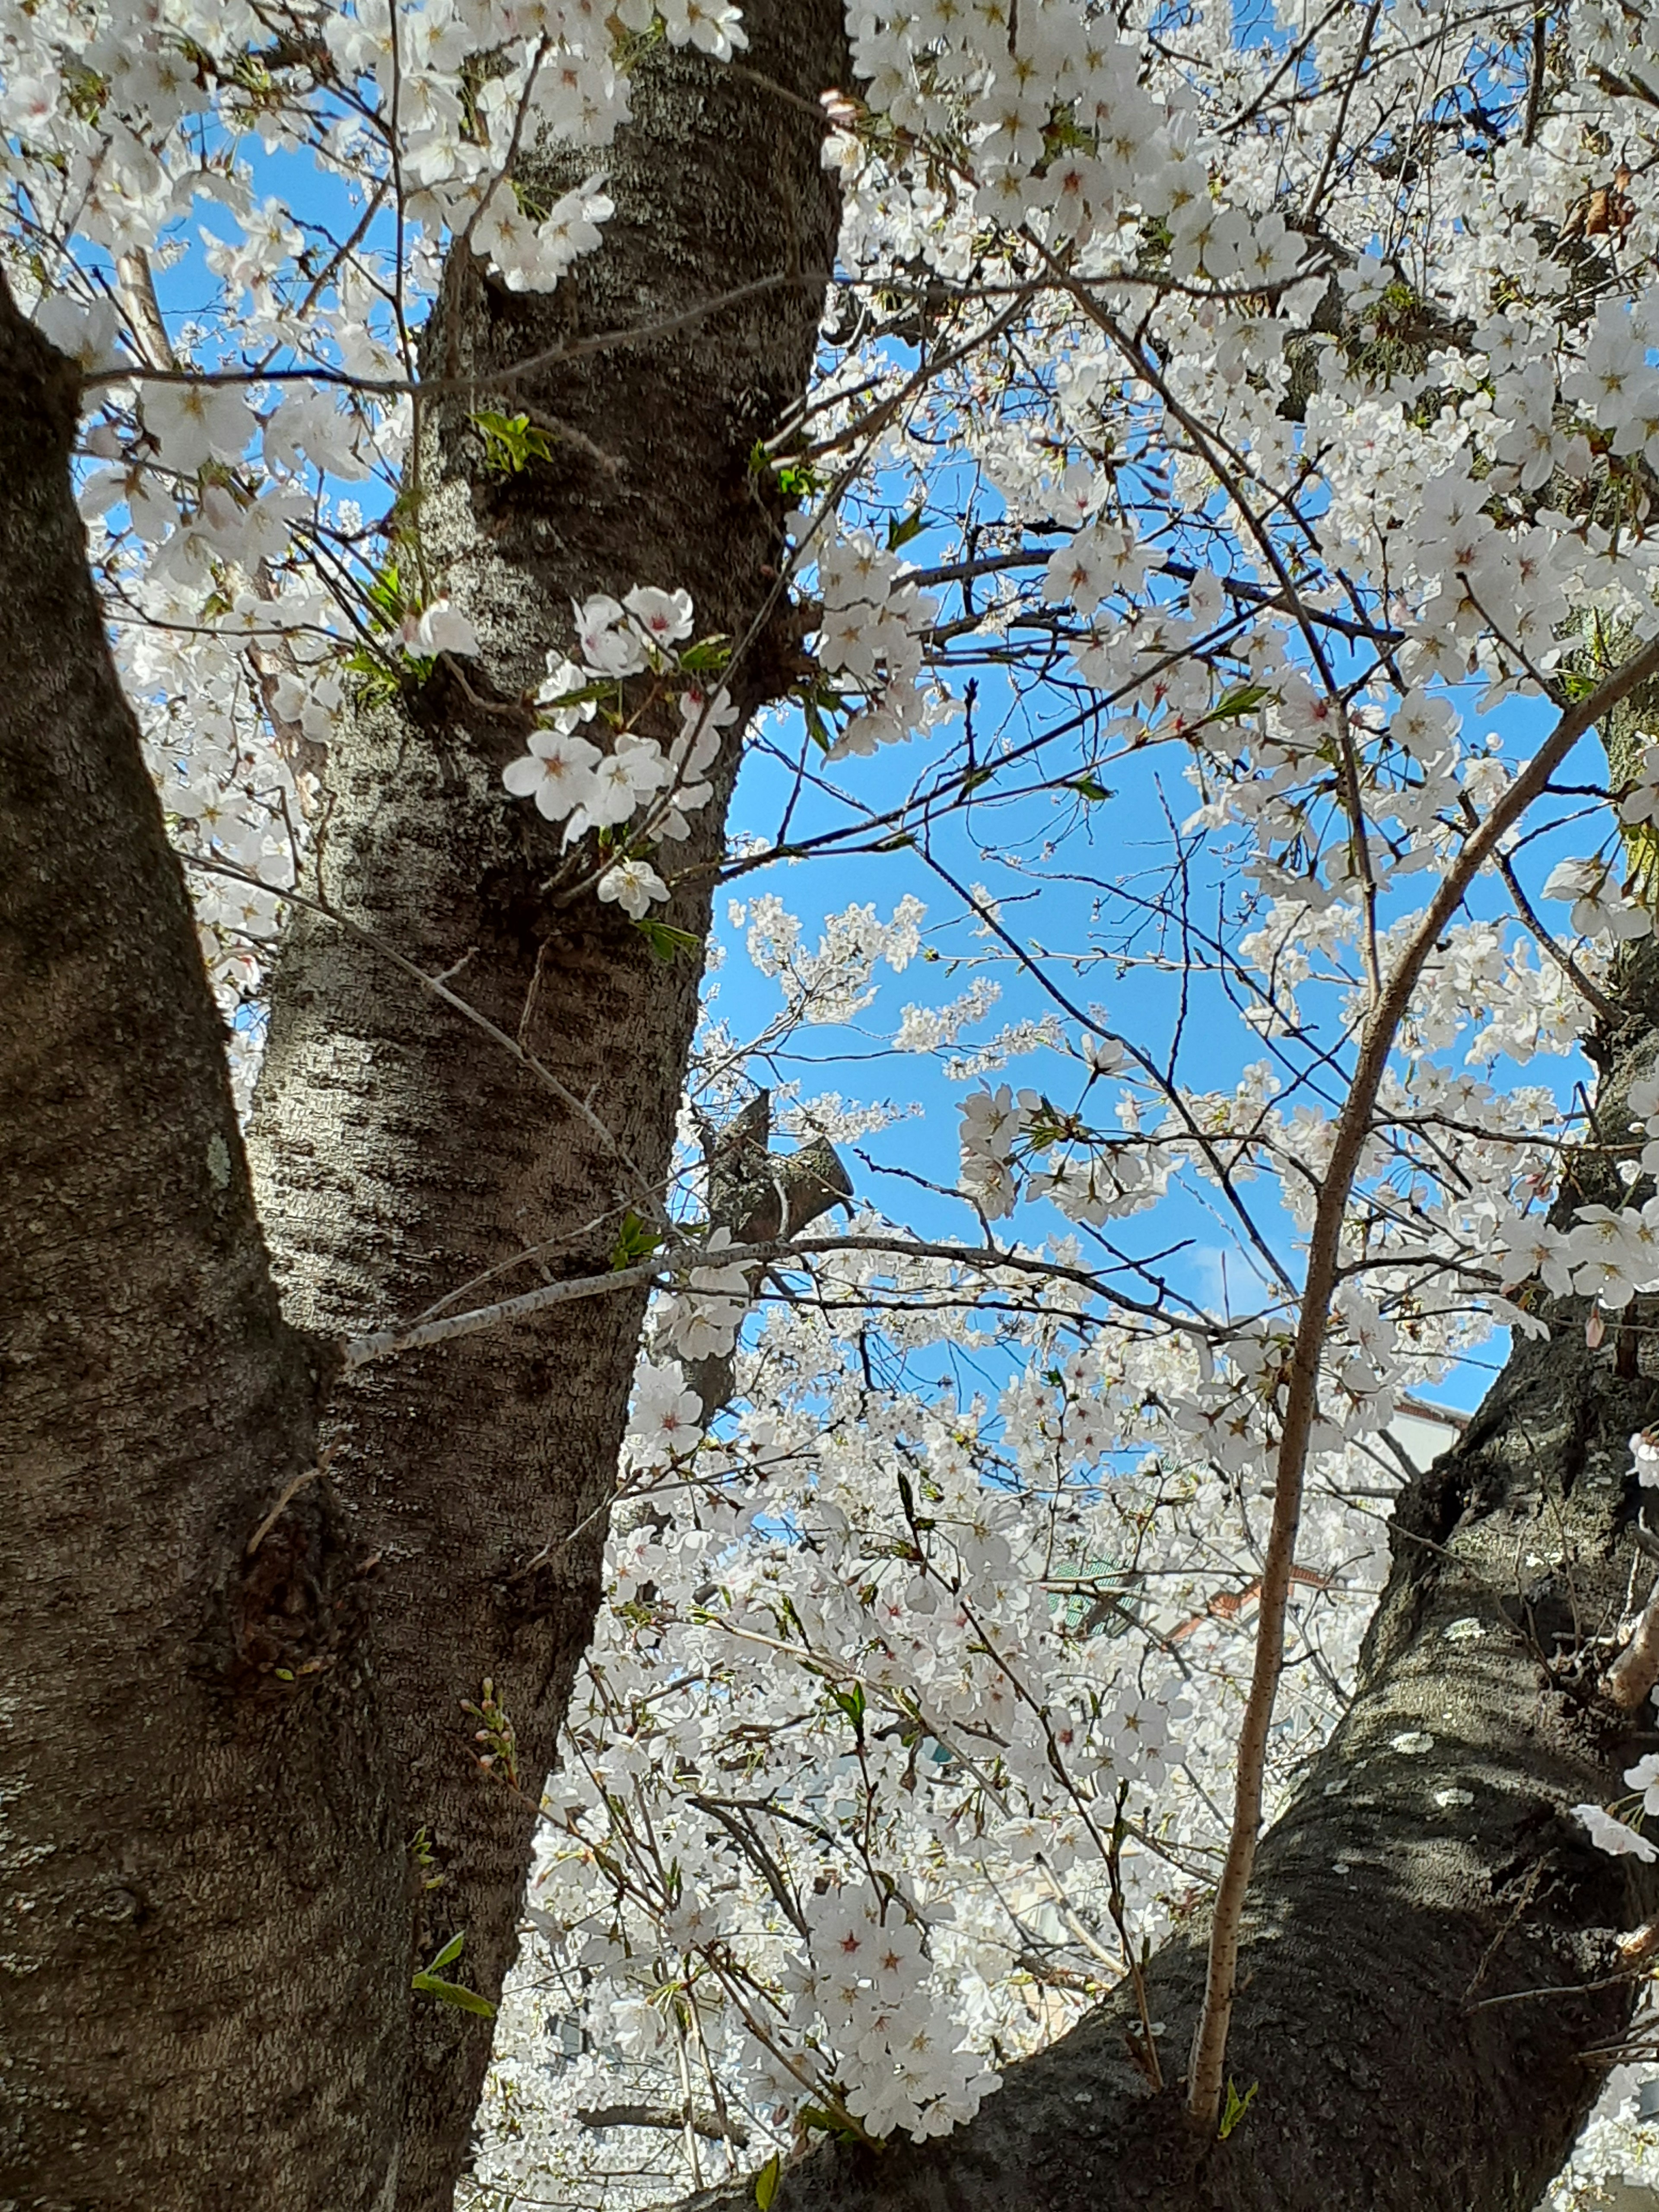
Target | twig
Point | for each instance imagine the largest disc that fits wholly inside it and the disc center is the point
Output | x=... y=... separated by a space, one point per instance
x=1333 y=144
x=1145 y=2054
x=1527 y=1890
x=1559 y=1989
x=1055 y=1976
x=755 y=1850
x=1563 y=959
x=288 y=1493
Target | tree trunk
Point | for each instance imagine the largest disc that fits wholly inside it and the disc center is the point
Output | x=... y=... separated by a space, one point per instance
x=1427 y=1871
x=202 y=1969
x=399 y=1152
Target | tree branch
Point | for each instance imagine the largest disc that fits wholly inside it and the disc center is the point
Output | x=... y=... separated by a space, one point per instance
x=653 y=2116
x=1207 y=2069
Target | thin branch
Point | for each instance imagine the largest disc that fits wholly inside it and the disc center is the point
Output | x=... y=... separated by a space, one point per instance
x=386 y=1343
x=1333 y=144
x=291 y=1490
x=402 y=387
x=1563 y=959
x=757 y=1853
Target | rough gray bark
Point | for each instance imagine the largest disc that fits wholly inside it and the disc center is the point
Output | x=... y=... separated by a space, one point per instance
x=398 y=1152
x=1383 y=1920
x=202 y=1967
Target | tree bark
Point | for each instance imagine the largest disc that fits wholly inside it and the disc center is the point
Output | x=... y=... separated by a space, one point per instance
x=1427 y=1874
x=202 y=1967
x=398 y=1152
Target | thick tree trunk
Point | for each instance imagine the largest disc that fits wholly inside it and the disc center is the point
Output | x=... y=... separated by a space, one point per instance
x=398 y=1152
x=1427 y=1872
x=202 y=1967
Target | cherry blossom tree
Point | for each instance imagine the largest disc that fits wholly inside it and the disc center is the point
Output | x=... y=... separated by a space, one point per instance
x=988 y=1703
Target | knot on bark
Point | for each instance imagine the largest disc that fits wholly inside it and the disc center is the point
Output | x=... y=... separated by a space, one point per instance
x=760 y=1196
x=298 y=1602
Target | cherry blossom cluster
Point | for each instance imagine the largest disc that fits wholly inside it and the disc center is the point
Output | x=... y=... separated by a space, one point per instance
x=828 y=1887
x=1053 y=122
x=1610 y=1253
x=701 y=1322
x=871 y=639
x=1023 y=1146
x=1617 y=1836
x=574 y=781
x=834 y=982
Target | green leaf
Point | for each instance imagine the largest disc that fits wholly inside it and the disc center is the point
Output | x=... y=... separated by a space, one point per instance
x=1086 y=787
x=852 y=1703
x=511 y=442
x=1237 y=703
x=1046 y=1127
x=666 y=942
x=766 y=2182
x=901 y=533
x=797 y=481
x=813 y=2116
x=816 y=724
x=1235 y=2106
x=451 y=1952
x=375 y=680
x=385 y=595
x=599 y=692
x=635 y=1239
x=451 y=1993
x=706 y=654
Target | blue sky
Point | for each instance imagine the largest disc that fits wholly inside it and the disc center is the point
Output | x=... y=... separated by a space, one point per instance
x=1104 y=845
